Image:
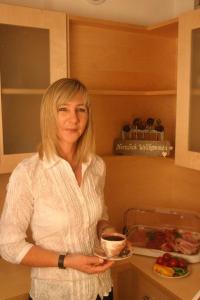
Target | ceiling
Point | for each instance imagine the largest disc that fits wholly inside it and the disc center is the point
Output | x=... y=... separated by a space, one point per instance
x=141 y=12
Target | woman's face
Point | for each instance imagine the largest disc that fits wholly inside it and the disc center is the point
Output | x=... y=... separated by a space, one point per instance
x=72 y=120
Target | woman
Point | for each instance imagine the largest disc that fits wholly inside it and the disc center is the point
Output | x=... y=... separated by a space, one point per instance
x=59 y=193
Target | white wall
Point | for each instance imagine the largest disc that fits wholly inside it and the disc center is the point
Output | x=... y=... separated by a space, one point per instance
x=181 y=6
x=142 y=12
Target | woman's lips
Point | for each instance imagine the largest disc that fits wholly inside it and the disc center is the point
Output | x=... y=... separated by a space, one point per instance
x=71 y=129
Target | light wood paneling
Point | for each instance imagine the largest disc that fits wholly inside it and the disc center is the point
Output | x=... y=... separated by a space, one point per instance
x=22 y=91
x=132 y=93
x=111 y=59
x=167 y=29
x=147 y=182
x=107 y=24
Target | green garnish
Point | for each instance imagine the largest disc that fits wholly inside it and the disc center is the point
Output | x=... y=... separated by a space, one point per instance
x=180 y=271
x=177 y=234
x=151 y=235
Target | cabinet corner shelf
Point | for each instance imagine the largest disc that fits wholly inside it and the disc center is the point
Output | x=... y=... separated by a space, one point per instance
x=136 y=157
x=132 y=93
x=12 y=91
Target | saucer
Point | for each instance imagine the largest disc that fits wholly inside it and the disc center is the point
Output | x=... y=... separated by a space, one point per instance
x=98 y=251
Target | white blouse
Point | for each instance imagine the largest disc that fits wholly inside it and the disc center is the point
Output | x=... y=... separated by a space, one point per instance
x=63 y=217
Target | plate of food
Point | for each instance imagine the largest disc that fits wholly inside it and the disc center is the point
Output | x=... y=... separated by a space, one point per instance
x=124 y=254
x=169 y=266
x=152 y=241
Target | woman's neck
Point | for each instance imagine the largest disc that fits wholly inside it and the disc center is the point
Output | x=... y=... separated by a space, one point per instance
x=68 y=153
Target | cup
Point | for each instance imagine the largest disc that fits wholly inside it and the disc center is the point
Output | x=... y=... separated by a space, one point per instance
x=113 y=243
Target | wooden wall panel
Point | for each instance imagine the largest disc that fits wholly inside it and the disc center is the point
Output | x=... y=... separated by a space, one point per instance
x=106 y=58
x=143 y=182
x=149 y=183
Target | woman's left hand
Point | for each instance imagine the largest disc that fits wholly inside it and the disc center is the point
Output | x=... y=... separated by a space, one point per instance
x=87 y=264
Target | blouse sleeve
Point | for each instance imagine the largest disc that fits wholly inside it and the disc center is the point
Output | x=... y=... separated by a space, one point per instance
x=16 y=216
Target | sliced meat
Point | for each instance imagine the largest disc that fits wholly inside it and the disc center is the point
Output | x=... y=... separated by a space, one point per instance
x=138 y=238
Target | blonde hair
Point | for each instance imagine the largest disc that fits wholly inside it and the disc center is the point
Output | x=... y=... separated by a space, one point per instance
x=58 y=93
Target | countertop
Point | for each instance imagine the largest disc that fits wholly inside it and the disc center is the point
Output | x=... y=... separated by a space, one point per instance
x=15 y=279
x=184 y=288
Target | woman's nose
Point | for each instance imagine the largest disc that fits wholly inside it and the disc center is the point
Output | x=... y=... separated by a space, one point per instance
x=73 y=116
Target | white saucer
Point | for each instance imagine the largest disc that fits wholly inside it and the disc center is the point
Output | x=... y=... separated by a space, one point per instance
x=100 y=253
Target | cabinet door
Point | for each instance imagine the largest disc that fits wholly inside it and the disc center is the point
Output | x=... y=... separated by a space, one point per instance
x=130 y=283
x=32 y=55
x=146 y=290
x=188 y=92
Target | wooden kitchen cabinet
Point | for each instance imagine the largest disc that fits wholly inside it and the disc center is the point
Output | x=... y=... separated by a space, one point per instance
x=188 y=92
x=130 y=283
x=110 y=58
x=145 y=289
x=32 y=54
x=130 y=72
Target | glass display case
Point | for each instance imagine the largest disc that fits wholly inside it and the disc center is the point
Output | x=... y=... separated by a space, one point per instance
x=194 y=124
x=25 y=70
x=33 y=53
x=188 y=92
x=153 y=232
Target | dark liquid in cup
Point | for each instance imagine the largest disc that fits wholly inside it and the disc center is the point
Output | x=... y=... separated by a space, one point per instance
x=113 y=238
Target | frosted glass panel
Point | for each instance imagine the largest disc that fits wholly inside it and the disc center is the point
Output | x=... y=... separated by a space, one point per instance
x=24 y=57
x=194 y=121
x=21 y=128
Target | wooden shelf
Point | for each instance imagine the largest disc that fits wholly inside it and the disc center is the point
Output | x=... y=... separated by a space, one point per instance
x=10 y=91
x=195 y=92
x=136 y=157
x=132 y=93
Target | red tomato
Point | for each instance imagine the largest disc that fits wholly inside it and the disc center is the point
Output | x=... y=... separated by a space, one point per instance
x=182 y=263
x=160 y=260
x=173 y=262
x=167 y=256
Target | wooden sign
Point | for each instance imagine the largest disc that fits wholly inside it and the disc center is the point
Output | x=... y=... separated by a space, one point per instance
x=142 y=147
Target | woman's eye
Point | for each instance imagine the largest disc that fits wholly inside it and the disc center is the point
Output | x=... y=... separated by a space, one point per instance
x=62 y=109
x=82 y=109
x=77 y=109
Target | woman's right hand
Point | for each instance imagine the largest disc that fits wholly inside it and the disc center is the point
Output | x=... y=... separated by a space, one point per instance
x=87 y=264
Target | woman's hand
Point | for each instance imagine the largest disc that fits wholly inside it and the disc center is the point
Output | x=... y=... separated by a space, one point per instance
x=87 y=264
x=104 y=226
